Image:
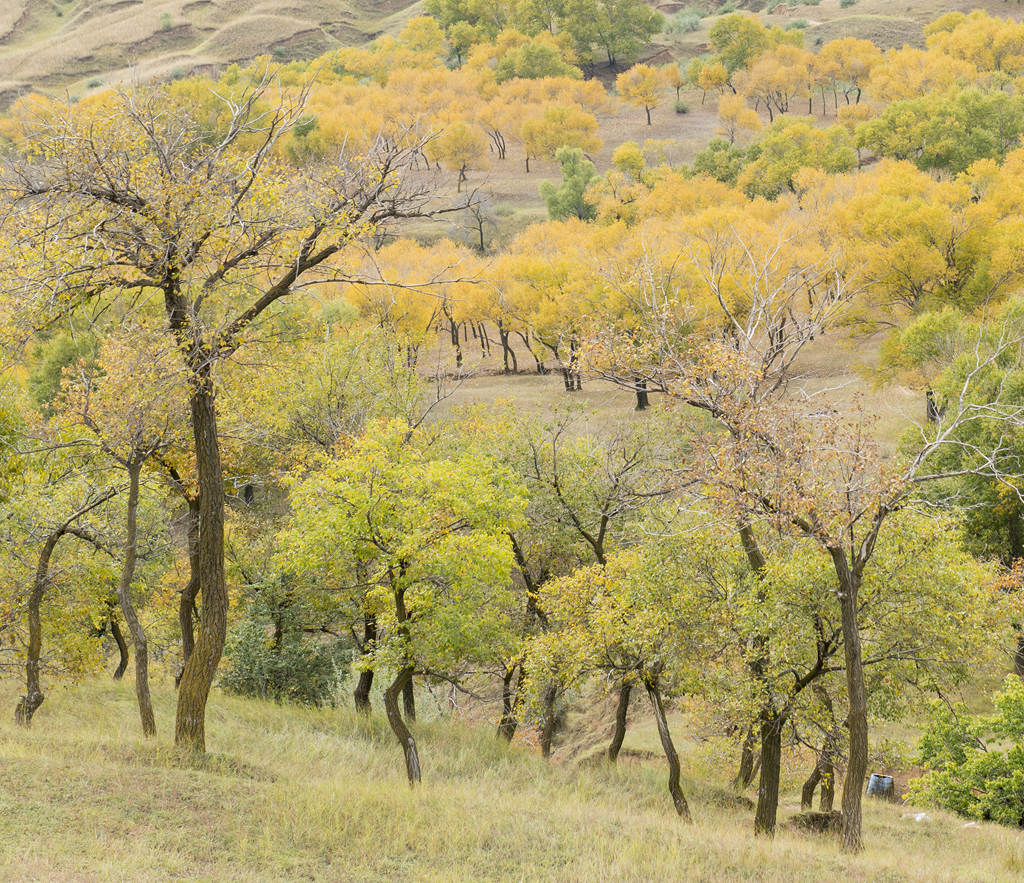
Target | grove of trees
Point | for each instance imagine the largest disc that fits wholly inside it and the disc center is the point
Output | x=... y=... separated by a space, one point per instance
x=235 y=316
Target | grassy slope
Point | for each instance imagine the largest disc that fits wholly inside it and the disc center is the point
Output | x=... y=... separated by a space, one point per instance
x=291 y=793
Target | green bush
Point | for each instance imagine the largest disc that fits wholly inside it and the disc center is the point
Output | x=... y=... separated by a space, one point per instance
x=797 y=23
x=682 y=107
x=684 y=22
x=271 y=657
x=968 y=776
x=846 y=3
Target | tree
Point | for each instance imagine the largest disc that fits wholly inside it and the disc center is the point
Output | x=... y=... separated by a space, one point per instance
x=558 y=126
x=200 y=223
x=789 y=145
x=460 y=147
x=130 y=401
x=421 y=544
x=642 y=86
x=568 y=200
x=946 y=132
x=735 y=115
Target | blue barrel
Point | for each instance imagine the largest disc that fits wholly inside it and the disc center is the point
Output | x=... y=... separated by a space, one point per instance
x=881 y=787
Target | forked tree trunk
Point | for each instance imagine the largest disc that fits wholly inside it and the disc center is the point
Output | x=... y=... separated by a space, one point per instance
x=398 y=727
x=197 y=676
x=674 y=788
x=124 y=595
x=621 y=711
x=771 y=765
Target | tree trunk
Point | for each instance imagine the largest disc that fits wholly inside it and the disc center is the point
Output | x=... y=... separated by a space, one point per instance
x=828 y=781
x=33 y=698
x=398 y=727
x=857 y=720
x=678 y=798
x=547 y=729
x=621 y=710
x=361 y=694
x=509 y=723
x=745 y=774
x=187 y=599
x=409 y=701
x=506 y=350
x=771 y=763
x=197 y=676
x=648 y=115
x=642 y=400
x=807 y=792
x=122 y=646
x=124 y=587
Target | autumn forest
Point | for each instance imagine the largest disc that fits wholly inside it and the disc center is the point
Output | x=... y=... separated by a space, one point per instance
x=506 y=426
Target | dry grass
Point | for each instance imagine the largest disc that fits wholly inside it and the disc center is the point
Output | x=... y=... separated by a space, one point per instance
x=303 y=794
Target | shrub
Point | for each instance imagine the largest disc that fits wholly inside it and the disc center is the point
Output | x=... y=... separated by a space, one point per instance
x=271 y=657
x=682 y=107
x=797 y=23
x=967 y=775
x=846 y=3
x=727 y=8
x=94 y=84
x=165 y=21
x=684 y=22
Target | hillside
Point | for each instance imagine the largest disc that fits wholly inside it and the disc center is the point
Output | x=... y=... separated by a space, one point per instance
x=299 y=794
x=69 y=44
x=75 y=45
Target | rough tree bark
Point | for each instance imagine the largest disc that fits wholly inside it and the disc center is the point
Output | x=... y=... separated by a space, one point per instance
x=857 y=719
x=197 y=676
x=771 y=762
